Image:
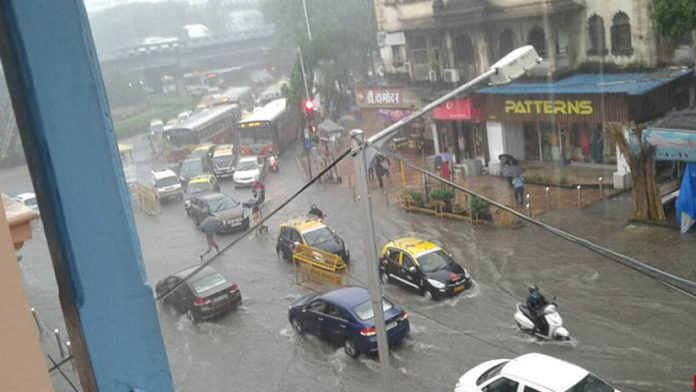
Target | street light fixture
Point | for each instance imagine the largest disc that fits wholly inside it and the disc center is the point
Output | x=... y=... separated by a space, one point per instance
x=509 y=68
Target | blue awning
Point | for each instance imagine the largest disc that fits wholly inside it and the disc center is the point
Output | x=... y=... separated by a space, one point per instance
x=632 y=83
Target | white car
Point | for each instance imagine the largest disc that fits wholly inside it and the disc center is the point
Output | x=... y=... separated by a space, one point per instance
x=167 y=185
x=247 y=171
x=28 y=200
x=530 y=373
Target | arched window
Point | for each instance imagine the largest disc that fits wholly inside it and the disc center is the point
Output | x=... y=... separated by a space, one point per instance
x=506 y=43
x=595 y=28
x=537 y=39
x=621 y=35
x=464 y=56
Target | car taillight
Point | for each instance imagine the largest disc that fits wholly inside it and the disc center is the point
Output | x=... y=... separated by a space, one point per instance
x=368 y=331
x=403 y=316
x=201 y=302
x=234 y=288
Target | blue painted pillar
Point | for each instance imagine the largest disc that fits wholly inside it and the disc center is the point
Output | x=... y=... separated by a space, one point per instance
x=58 y=96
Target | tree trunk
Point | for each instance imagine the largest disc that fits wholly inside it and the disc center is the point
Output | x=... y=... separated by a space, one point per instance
x=646 y=198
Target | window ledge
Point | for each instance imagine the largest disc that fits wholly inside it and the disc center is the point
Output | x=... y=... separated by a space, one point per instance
x=622 y=52
x=594 y=52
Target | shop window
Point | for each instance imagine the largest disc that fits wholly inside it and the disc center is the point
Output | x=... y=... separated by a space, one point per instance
x=621 y=35
x=595 y=29
x=506 y=43
x=537 y=38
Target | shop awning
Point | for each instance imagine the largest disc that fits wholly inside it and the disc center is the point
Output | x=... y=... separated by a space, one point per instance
x=631 y=83
x=674 y=136
x=458 y=110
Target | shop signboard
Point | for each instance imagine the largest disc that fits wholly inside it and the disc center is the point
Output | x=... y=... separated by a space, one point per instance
x=671 y=145
x=465 y=109
x=564 y=109
x=386 y=97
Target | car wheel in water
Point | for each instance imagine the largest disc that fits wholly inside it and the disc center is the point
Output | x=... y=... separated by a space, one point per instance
x=281 y=255
x=427 y=295
x=297 y=325
x=384 y=277
x=350 y=349
x=190 y=316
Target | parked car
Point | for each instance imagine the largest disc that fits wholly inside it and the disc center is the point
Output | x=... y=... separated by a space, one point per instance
x=223 y=160
x=190 y=168
x=529 y=373
x=27 y=199
x=230 y=212
x=344 y=317
x=199 y=185
x=206 y=295
x=311 y=232
x=422 y=266
x=166 y=184
x=248 y=170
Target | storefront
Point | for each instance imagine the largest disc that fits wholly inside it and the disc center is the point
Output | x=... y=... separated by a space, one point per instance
x=564 y=120
x=461 y=130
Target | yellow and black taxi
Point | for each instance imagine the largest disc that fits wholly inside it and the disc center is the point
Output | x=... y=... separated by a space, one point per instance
x=422 y=266
x=199 y=185
x=311 y=232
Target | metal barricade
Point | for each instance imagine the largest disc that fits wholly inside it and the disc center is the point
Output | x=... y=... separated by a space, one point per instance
x=315 y=267
x=148 y=200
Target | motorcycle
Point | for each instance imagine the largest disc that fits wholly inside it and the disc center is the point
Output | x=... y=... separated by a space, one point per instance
x=273 y=163
x=553 y=328
x=256 y=201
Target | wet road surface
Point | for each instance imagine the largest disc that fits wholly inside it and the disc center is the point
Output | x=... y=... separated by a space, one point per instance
x=629 y=329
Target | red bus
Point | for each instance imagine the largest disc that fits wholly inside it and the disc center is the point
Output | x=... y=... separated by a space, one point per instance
x=212 y=125
x=269 y=130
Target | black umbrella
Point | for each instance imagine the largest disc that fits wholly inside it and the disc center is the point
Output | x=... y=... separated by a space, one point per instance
x=511 y=171
x=508 y=159
x=211 y=224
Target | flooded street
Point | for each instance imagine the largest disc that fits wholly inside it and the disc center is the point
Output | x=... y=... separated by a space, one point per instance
x=631 y=330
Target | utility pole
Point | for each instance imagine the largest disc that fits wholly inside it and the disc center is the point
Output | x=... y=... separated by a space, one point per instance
x=308 y=105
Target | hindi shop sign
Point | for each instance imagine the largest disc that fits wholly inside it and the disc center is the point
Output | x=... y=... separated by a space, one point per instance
x=386 y=97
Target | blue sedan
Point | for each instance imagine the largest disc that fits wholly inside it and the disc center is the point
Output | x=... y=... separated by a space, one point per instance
x=344 y=317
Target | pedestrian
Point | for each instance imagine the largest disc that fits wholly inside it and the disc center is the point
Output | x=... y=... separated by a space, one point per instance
x=258 y=217
x=518 y=184
x=210 y=226
x=379 y=172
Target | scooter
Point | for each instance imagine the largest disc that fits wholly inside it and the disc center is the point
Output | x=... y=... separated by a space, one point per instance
x=273 y=163
x=256 y=201
x=553 y=330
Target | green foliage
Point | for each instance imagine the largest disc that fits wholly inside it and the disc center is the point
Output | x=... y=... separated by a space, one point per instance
x=479 y=206
x=161 y=107
x=443 y=194
x=675 y=18
x=416 y=198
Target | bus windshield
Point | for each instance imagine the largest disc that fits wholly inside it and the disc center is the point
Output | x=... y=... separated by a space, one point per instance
x=256 y=135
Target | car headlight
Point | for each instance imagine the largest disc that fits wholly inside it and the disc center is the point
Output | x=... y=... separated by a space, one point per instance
x=436 y=283
x=187 y=203
x=466 y=274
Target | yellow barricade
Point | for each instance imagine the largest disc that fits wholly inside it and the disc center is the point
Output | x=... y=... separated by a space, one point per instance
x=314 y=266
x=148 y=200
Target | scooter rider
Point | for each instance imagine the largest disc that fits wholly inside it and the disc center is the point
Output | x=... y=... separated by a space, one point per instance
x=536 y=303
x=314 y=210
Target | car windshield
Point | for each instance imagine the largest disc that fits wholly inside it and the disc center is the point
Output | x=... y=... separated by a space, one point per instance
x=318 y=236
x=224 y=160
x=166 y=181
x=192 y=167
x=222 y=204
x=434 y=261
x=364 y=310
x=490 y=373
x=248 y=165
x=591 y=384
x=208 y=282
x=30 y=201
x=198 y=187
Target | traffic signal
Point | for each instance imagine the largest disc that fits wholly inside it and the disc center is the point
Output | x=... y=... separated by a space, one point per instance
x=308 y=105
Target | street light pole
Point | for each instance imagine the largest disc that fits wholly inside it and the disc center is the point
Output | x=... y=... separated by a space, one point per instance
x=510 y=67
x=371 y=257
x=306 y=17
x=305 y=136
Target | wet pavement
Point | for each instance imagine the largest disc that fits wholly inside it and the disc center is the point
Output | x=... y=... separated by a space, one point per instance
x=627 y=328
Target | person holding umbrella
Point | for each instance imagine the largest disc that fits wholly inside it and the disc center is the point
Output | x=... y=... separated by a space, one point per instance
x=210 y=226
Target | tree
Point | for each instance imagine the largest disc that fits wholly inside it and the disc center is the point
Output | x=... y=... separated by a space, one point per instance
x=342 y=46
x=646 y=198
x=675 y=18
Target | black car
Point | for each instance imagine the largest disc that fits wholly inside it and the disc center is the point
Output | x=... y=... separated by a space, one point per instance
x=206 y=295
x=227 y=210
x=344 y=317
x=422 y=266
x=190 y=168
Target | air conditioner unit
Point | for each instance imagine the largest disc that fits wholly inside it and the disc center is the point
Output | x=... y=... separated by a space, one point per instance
x=432 y=75
x=451 y=75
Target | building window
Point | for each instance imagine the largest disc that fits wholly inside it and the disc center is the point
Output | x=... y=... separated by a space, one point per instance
x=621 y=35
x=537 y=38
x=397 y=55
x=595 y=29
x=506 y=43
x=419 y=49
x=464 y=56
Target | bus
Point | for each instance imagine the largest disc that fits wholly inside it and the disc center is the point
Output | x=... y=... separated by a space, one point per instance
x=269 y=130
x=212 y=125
x=272 y=92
